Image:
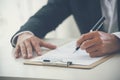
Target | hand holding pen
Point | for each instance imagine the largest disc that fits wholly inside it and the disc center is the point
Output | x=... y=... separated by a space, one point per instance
x=98 y=43
x=96 y=27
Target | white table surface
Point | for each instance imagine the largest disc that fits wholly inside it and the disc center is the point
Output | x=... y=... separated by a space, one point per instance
x=14 y=69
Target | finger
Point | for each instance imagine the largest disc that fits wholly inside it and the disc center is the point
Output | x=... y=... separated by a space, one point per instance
x=96 y=53
x=93 y=49
x=88 y=43
x=87 y=36
x=28 y=48
x=83 y=38
x=36 y=46
x=47 y=45
x=93 y=54
x=23 y=50
x=17 y=52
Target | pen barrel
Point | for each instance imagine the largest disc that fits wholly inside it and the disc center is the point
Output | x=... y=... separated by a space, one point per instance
x=98 y=25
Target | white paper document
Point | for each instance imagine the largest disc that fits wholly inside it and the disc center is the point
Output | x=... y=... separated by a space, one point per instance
x=65 y=54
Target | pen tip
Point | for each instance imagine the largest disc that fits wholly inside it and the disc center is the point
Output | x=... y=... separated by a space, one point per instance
x=74 y=52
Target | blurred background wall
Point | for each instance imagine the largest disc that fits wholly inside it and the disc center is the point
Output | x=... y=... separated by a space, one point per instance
x=14 y=13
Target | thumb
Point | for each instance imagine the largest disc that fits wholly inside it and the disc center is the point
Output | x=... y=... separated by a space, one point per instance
x=48 y=45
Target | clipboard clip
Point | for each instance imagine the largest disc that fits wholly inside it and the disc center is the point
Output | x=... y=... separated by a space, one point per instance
x=56 y=63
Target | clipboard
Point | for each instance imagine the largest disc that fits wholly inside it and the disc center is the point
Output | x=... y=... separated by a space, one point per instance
x=68 y=64
x=43 y=61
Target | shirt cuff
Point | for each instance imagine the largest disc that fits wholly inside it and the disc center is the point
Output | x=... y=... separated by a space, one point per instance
x=117 y=34
x=15 y=37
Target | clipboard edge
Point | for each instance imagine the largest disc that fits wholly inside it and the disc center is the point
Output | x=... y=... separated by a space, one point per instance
x=28 y=62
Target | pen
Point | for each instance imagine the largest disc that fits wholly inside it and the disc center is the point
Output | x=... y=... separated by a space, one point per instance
x=96 y=27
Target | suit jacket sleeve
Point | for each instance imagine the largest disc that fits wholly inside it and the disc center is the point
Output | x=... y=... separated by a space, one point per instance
x=47 y=18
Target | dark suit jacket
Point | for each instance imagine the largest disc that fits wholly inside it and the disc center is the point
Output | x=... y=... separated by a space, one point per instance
x=85 y=12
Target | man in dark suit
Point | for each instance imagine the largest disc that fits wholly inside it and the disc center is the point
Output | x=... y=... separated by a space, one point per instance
x=86 y=13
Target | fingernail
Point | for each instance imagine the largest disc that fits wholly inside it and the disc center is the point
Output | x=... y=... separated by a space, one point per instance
x=29 y=55
x=16 y=56
x=24 y=55
x=55 y=47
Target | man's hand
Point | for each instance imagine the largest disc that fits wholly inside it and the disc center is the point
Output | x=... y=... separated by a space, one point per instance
x=26 y=43
x=99 y=43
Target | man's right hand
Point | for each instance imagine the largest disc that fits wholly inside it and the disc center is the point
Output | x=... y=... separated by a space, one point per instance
x=27 y=42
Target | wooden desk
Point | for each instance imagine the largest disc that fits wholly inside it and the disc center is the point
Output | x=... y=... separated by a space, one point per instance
x=14 y=69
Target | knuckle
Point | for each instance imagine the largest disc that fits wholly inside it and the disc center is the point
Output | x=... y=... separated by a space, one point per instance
x=21 y=46
x=98 y=39
x=83 y=45
x=88 y=50
x=92 y=55
x=23 y=51
x=31 y=38
x=97 y=33
x=27 y=46
x=84 y=36
x=35 y=43
x=27 y=40
x=37 y=49
x=87 y=42
x=42 y=42
x=29 y=50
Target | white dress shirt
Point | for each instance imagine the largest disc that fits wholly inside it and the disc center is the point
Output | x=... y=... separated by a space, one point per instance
x=109 y=10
